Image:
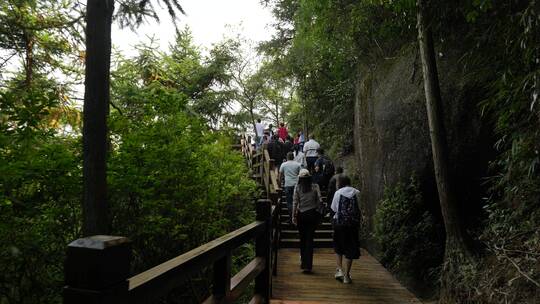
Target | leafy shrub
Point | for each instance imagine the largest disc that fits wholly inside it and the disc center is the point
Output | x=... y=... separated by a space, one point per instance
x=409 y=236
x=40 y=186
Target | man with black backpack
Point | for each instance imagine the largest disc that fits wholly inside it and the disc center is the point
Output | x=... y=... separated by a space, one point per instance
x=324 y=168
x=345 y=223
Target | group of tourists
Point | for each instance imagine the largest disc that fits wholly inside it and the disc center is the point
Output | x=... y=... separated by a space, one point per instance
x=278 y=142
x=305 y=171
x=308 y=154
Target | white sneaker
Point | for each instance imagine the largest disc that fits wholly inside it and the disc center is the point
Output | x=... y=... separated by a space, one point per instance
x=339 y=274
x=347 y=279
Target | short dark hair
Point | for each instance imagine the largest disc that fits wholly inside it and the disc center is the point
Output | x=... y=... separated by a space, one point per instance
x=258 y=120
x=343 y=181
x=282 y=124
x=290 y=156
x=339 y=170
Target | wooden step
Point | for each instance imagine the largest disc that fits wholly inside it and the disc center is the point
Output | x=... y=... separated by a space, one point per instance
x=322 y=226
x=285 y=218
x=295 y=243
x=284 y=198
x=293 y=234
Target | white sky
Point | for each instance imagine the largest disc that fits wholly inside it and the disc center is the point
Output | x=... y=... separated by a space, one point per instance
x=208 y=21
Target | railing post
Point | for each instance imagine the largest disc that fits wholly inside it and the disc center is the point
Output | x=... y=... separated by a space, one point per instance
x=222 y=277
x=96 y=270
x=272 y=163
x=261 y=167
x=262 y=249
x=276 y=231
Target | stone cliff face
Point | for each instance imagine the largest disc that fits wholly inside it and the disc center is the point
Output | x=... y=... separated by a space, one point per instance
x=391 y=135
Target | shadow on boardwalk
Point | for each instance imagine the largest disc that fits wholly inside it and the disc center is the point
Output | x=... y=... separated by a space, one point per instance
x=371 y=282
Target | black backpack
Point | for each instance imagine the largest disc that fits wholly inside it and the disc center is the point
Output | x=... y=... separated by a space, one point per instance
x=348 y=213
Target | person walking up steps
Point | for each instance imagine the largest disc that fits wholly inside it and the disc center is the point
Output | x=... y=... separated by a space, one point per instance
x=332 y=185
x=324 y=168
x=282 y=131
x=300 y=157
x=310 y=150
x=301 y=140
x=296 y=142
x=287 y=147
x=345 y=223
x=274 y=150
x=288 y=172
x=270 y=130
x=307 y=205
x=259 y=128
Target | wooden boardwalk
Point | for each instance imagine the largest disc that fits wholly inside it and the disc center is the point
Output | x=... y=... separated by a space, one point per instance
x=371 y=283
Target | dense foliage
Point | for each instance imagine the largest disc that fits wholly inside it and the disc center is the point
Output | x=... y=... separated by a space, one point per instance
x=174 y=182
x=40 y=188
x=411 y=238
x=324 y=43
x=168 y=171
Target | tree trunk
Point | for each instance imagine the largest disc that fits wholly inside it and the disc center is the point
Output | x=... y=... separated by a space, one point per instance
x=29 y=58
x=306 y=125
x=456 y=251
x=277 y=114
x=96 y=109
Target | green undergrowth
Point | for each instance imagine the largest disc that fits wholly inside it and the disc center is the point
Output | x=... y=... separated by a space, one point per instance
x=411 y=244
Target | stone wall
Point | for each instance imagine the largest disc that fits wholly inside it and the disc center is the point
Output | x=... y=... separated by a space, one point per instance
x=391 y=135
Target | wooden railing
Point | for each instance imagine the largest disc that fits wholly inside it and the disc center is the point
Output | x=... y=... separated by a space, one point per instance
x=262 y=167
x=97 y=268
x=264 y=171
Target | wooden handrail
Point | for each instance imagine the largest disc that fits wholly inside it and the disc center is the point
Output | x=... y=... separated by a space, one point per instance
x=164 y=277
x=261 y=165
x=97 y=267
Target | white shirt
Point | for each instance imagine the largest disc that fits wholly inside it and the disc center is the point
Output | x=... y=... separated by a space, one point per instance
x=299 y=158
x=310 y=148
x=260 y=129
x=346 y=191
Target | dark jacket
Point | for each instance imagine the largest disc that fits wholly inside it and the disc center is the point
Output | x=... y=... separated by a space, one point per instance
x=287 y=147
x=275 y=151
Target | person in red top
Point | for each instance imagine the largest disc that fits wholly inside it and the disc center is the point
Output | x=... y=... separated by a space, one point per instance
x=282 y=131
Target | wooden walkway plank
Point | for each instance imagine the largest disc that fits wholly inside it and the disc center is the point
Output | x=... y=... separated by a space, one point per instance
x=371 y=283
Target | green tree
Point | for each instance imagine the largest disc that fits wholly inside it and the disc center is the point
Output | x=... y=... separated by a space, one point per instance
x=247 y=83
x=456 y=251
x=99 y=16
x=277 y=92
x=166 y=165
x=43 y=35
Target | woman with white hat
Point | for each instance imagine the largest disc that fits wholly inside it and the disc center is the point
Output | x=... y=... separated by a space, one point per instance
x=307 y=207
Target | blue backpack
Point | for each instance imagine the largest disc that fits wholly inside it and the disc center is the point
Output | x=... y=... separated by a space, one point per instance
x=348 y=212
